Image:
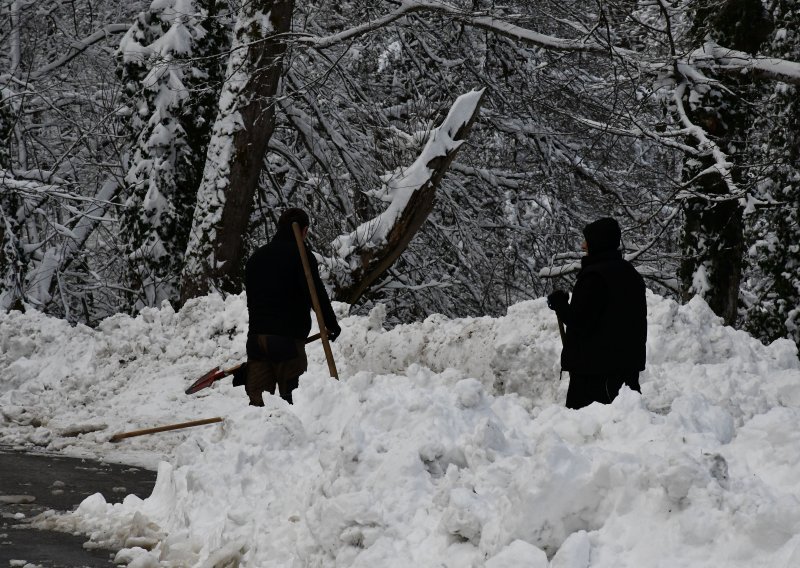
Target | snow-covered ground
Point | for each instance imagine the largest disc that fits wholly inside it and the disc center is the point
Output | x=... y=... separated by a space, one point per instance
x=444 y=444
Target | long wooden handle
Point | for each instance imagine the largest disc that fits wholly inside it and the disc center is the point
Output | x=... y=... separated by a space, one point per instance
x=561 y=330
x=123 y=435
x=323 y=331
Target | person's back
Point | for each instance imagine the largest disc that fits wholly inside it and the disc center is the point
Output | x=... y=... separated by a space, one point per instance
x=606 y=320
x=278 y=302
x=613 y=340
x=279 y=307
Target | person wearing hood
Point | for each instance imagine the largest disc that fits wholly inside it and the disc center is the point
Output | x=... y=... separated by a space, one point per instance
x=606 y=320
x=279 y=308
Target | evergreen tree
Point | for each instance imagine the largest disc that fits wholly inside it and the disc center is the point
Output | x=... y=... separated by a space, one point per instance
x=171 y=69
x=712 y=241
x=773 y=309
x=11 y=254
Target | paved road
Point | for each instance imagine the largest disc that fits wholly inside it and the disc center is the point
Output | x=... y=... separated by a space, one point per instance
x=32 y=483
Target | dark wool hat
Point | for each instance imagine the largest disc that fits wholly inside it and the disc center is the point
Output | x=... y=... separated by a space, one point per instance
x=293 y=215
x=289 y=216
x=603 y=234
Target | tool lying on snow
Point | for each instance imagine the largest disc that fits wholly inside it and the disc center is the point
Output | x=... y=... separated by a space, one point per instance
x=123 y=435
x=218 y=373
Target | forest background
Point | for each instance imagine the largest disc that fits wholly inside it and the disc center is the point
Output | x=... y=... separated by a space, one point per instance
x=449 y=153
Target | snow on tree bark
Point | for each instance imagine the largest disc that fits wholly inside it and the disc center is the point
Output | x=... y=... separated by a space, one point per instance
x=12 y=257
x=235 y=155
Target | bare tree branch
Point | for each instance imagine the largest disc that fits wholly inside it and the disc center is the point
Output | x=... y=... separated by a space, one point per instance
x=79 y=47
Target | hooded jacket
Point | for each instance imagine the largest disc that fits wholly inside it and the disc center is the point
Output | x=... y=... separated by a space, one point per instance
x=606 y=318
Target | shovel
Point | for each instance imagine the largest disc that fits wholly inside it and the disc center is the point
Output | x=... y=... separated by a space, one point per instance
x=218 y=373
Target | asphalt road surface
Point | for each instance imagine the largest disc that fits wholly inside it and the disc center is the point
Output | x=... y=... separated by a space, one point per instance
x=31 y=483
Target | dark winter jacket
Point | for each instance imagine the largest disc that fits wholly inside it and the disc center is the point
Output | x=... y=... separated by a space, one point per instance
x=606 y=318
x=278 y=300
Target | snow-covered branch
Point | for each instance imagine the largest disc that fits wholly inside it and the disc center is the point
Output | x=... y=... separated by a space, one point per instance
x=79 y=47
x=710 y=55
x=722 y=164
x=88 y=220
x=732 y=61
x=488 y=23
x=53 y=241
x=35 y=184
x=665 y=279
x=363 y=255
x=666 y=138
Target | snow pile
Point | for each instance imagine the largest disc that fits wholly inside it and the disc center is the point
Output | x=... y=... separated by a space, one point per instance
x=128 y=373
x=445 y=444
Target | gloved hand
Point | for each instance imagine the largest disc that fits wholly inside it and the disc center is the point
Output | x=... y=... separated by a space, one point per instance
x=333 y=331
x=558 y=300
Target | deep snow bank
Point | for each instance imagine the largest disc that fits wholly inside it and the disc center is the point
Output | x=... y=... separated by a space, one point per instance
x=444 y=444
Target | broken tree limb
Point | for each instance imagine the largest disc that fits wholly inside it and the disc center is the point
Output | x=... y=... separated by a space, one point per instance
x=363 y=256
x=133 y=433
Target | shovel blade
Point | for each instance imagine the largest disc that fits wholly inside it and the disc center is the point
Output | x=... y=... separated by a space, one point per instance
x=206 y=380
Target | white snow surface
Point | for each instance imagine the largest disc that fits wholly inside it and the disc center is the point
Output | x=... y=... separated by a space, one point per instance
x=444 y=444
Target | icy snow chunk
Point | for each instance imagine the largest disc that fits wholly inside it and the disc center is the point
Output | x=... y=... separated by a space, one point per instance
x=137 y=557
x=694 y=413
x=519 y=553
x=469 y=393
x=575 y=552
x=465 y=515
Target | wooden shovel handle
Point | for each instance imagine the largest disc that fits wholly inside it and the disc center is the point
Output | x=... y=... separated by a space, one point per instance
x=123 y=435
x=326 y=346
x=561 y=330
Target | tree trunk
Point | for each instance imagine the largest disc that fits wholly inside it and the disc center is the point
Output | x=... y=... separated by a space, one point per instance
x=235 y=156
x=713 y=245
x=712 y=239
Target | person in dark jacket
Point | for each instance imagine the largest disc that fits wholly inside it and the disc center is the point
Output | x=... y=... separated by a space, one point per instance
x=279 y=306
x=606 y=320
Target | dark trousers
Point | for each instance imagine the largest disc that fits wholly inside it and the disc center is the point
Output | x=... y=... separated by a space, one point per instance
x=273 y=361
x=584 y=388
x=263 y=379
